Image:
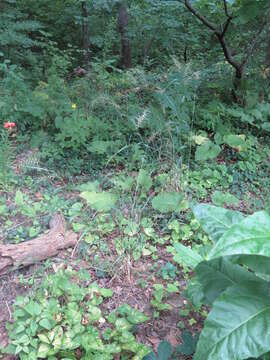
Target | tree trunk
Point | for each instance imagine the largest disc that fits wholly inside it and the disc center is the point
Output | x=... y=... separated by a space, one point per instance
x=239 y=73
x=185 y=55
x=125 y=61
x=43 y=247
x=267 y=59
x=85 y=34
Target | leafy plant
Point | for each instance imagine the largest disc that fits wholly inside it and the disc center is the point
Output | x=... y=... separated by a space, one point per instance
x=167 y=202
x=189 y=344
x=220 y=199
x=207 y=151
x=168 y=271
x=144 y=181
x=165 y=351
x=6 y=158
x=160 y=295
x=234 y=279
x=237 y=142
x=64 y=316
x=100 y=201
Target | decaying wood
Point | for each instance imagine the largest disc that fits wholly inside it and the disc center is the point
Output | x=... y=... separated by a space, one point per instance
x=41 y=248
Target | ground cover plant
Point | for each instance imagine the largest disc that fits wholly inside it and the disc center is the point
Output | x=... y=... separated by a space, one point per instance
x=134 y=177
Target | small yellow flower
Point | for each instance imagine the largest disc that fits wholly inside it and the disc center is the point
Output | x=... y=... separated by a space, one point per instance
x=73 y=106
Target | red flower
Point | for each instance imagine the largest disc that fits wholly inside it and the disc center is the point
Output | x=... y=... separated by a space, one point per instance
x=9 y=125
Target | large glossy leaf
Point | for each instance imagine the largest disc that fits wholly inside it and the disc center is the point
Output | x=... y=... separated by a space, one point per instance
x=258 y=264
x=217 y=275
x=188 y=345
x=238 y=327
x=184 y=255
x=164 y=350
x=215 y=220
x=249 y=237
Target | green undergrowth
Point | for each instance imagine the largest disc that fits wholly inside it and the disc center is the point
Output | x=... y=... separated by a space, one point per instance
x=65 y=317
x=124 y=218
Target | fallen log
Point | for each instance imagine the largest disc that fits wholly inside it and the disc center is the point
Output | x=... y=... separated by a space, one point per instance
x=41 y=248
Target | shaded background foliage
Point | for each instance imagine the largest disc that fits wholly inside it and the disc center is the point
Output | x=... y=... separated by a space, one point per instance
x=143 y=74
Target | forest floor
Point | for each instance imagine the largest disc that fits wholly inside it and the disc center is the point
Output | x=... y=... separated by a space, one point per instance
x=131 y=281
x=123 y=247
x=125 y=290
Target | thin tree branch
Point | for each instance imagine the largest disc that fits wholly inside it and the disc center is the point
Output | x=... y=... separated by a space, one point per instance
x=229 y=18
x=219 y=34
x=239 y=67
x=267 y=59
x=201 y=17
x=226 y=9
x=228 y=54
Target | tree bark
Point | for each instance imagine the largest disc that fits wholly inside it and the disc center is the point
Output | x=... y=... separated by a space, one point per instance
x=125 y=61
x=43 y=247
x=267 y=59
x=85 y=34
x=185 y=54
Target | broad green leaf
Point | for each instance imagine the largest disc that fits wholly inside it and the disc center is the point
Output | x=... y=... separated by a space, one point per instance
x=236 y=141
x=75 y=209
x=33 y=308
x=122 y=324
x=208 y=150
x=194 y=292
x=220 y=198
x=167 y=202
x=106 y=292
x=259 y=264
x=189 y=344
x=172 y=288
x=19 y=198
x=249 y=237
x=23 y=339
x=161 y=306
x=89 y=186
x=94 y=313
x=217 y=275
x=43 y=351
x=144 y=180
x=45 y=323
x=134 y=316
x=102 y=201
x=183 y=255
x=20 y=328
x=164 y=350
x=266 y=126
x=199 y=139
x=151 y=356
x=124 y=182
x=238 y=325
x=215 y=220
